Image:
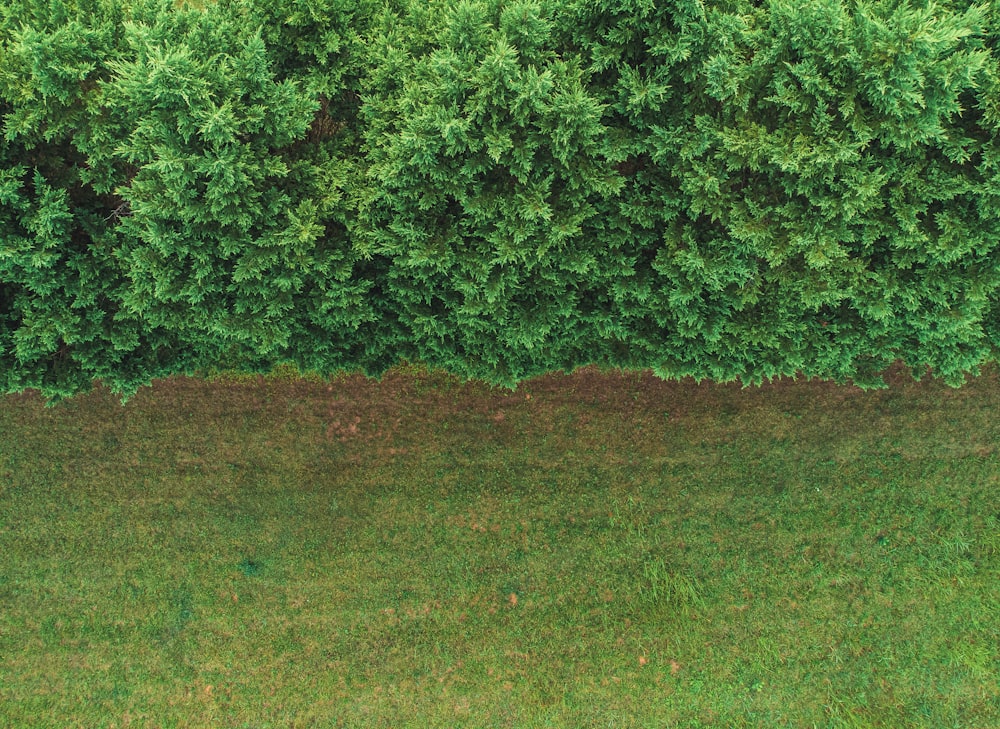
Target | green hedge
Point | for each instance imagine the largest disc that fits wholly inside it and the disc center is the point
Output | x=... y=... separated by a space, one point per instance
x=725 y=190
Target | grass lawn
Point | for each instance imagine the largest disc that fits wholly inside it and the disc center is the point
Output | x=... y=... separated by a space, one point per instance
x=590 y=550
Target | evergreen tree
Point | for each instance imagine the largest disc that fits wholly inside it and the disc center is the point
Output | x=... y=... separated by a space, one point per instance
x=488 y=164
x=809 y=175
x=61 y=324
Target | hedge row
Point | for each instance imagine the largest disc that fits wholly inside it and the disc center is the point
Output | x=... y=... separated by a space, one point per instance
x=724 y=190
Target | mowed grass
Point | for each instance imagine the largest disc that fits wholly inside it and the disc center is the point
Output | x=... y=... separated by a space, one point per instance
x=590 y=550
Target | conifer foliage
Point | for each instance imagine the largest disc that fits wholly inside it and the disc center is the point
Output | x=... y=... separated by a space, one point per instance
x=180 y=216
x=488 y=164
x=728 y=190
x=61 y=321
x=810 y=175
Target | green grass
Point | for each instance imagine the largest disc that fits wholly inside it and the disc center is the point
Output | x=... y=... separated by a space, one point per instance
x=587 y=551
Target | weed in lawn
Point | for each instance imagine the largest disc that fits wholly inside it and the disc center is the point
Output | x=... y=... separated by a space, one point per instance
x=642 y=547
x=250 y=567
x=661 y=583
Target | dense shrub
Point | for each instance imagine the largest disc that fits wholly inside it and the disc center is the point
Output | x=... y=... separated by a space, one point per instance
x=726 y=190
